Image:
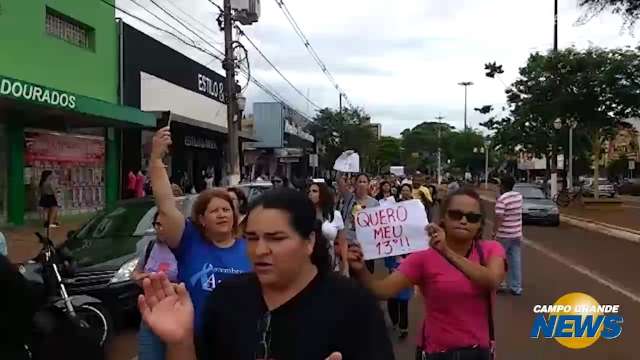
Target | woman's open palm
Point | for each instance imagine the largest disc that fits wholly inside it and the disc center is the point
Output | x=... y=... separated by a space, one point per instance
x=167 y=309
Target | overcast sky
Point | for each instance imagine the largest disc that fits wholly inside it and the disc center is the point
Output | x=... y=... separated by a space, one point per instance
x=401 y=64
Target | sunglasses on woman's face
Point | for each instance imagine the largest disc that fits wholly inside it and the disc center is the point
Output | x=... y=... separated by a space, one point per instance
x=457 y=215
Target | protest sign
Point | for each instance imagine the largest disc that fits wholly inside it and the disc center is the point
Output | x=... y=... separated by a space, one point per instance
x=348 y=162
x=397 y=170
x=393 y=230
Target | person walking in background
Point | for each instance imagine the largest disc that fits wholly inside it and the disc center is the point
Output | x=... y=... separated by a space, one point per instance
x=140 y=181
x=48 y=199
x=240 y=204
x=406 y=192
x=422 y=193
x=131 y=185
x=205 y=244
x=398 y=306
x=332 y=226
x=508 y=231
x=354 y=202
x=385 y=196
x=154 y=257
x=453 y=185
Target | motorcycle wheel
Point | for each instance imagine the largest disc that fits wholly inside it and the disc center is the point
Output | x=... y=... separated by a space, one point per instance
x=96 y=320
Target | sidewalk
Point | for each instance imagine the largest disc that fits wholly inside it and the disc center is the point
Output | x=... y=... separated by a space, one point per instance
x=626 y=216
x=22 y=243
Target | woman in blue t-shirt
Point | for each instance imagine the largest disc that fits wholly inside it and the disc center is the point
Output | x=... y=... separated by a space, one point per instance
x=204 y=244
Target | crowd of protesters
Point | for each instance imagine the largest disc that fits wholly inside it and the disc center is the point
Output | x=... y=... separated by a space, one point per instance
x=284 y=277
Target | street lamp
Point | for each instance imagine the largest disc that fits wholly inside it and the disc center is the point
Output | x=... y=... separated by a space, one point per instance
x=466 y=84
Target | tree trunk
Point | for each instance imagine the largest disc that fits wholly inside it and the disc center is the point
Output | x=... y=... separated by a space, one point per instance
x=596 y=149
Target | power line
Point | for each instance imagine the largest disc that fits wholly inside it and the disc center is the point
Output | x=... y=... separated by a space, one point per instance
x=183 y=24
x=193 y=45
x=310 y=48
x=275 y=67
x=216 y=5
x=263 y=87
x=203 y=26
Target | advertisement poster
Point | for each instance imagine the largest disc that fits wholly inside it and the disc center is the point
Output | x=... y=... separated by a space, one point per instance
x=77 y=163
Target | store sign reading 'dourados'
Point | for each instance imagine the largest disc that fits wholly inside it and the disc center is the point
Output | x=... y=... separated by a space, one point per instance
x=30 y=92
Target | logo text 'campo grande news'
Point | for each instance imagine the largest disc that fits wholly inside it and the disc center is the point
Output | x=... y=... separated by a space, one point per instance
x=577 y=321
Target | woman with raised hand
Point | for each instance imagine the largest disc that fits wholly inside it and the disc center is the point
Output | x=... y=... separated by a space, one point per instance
x=332 y=226
x=291 y=307
x=458 y=276
x=204 y=244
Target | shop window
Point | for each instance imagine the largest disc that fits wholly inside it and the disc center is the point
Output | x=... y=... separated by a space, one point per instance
x=65 y=28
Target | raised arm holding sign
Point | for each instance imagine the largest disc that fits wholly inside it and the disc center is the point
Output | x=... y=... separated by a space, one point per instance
x=392 y=230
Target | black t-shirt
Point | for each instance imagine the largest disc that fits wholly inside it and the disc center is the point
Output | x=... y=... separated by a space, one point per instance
x=332 y=314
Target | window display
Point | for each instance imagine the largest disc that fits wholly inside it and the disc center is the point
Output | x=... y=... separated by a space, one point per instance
x=77 y=163
x=3 y=174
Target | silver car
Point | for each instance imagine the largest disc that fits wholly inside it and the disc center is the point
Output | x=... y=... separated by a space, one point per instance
x=604 y=187
x=536 y=207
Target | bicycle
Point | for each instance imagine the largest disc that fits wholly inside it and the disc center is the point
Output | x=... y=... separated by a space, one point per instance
x=565 y=197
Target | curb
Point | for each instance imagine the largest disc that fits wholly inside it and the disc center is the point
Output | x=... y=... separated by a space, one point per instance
x=592 y=225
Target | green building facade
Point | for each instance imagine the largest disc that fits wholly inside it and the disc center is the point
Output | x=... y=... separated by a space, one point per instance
x=59 y=106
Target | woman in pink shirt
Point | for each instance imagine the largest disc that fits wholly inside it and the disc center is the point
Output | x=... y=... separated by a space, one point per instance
x=458 y=276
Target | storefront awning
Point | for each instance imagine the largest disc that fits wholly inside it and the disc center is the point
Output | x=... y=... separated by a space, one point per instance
x=202 y=124
x=53 y=102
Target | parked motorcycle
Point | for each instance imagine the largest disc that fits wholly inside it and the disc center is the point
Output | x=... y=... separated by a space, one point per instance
x=64 y=326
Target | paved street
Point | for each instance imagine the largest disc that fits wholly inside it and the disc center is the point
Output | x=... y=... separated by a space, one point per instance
x=556 y=261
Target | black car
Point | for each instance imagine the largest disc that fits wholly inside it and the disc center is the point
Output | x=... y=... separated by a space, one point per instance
x=104 y=253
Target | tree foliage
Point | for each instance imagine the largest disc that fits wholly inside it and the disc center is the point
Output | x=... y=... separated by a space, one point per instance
x=629 y=9
x=387 y=152
x=597 y=88
x=341 y=131
x=421 y=145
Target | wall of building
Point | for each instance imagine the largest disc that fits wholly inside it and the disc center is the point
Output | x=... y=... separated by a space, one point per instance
x=160 y=95
x=30 y=54
x=269 y=125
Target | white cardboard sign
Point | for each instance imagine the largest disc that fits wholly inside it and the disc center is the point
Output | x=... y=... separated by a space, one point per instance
x=392 y=230
x=348 y=162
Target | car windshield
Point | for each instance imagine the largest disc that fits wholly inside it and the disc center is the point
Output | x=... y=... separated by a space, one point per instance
x=530 y=192
x=112 y=233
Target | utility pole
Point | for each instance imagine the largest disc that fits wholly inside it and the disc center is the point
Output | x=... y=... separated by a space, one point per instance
x=233 y=157
x=439 y=118
x=555 y=26
x=466 y=84
x=554 y=156
x=340 y=94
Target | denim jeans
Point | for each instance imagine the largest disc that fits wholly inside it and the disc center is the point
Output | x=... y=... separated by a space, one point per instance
x=514 y=274
x=150 y=347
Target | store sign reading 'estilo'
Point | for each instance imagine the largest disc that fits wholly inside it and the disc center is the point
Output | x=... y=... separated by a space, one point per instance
x=211 y=87
x=31 y=92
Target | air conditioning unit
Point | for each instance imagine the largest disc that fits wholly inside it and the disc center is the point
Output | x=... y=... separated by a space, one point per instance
x=246 y=12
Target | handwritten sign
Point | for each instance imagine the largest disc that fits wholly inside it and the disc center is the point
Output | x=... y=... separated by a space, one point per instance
x=393 y=230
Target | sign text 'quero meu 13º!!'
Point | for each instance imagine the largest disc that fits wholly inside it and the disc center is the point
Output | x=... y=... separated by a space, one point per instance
x=392 y=230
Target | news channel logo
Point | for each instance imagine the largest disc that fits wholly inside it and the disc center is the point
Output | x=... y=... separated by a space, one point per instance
x=576 y=321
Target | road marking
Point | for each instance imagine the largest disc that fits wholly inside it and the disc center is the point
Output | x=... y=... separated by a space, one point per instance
x=603 y=280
